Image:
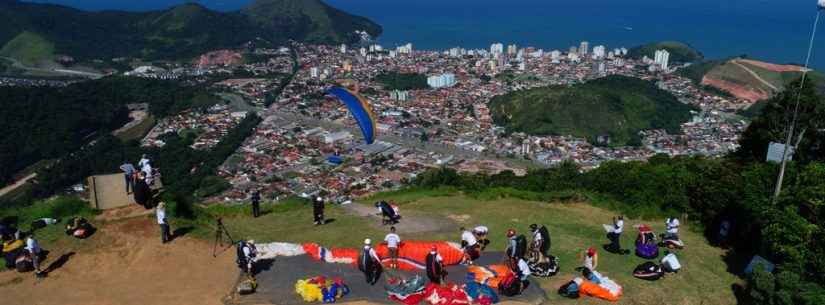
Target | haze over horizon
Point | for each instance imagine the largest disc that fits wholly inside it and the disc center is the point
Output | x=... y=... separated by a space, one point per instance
x=771 y=30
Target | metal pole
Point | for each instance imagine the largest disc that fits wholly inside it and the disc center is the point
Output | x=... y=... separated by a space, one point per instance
x=788 y=140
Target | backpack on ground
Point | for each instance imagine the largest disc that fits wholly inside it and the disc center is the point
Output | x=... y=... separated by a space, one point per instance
x=24 y=263
x=521 y=246
x=648 y=271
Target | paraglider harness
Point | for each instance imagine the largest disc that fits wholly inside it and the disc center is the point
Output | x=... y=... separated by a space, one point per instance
x=79 y=227
x=388 y=214
x=244 y=261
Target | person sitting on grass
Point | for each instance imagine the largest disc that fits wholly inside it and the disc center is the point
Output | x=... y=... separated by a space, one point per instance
x=590 y=259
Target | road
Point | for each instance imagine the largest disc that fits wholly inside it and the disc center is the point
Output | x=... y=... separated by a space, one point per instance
x=408 y=142
x=19 y=65
x=755 y=75
x=10 y=188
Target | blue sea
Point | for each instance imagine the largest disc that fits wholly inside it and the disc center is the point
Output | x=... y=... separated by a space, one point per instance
x=771 y=30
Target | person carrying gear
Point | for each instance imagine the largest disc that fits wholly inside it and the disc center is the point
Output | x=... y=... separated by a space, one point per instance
x=481 y=235
x=388 y=214
x=318 y=211
x=393 y=242
x=369 y=263
x=470 y=245
x=516 y=247
x=435 y=266
x=35 y=252
x=247 y=254
x=541 y=241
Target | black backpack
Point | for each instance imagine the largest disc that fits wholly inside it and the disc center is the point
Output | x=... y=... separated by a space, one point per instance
x=241 y=258
x=545 y=235
x=521 y=246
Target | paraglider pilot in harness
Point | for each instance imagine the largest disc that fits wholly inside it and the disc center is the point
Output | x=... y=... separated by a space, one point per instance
x=472 y=250
x=369 y=263
x=247 y=254
x=541 y=241
x=388 y=214
x=318 y=211
x=435 y=266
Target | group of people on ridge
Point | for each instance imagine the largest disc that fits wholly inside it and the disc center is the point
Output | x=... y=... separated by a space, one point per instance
x=138 y=180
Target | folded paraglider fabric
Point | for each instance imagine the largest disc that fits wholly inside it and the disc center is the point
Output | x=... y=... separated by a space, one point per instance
x=451 y=294
x=606 y=290
x=321 y=289
x=273 y=250
x=648 y=271
x=409 y=292
x=491 y=275
x=480 y=293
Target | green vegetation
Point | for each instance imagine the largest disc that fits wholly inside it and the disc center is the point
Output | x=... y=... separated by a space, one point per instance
x=179 y=32
x=47 y=123
x=29 y=48
x=697 y=71
x=618 y=106
x=679 y=52
x=402 y=81
x=739 y=189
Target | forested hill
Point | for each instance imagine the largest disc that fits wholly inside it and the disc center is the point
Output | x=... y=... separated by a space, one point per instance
x=178 y=32
x=679 y=52
x=45 y=123
x=618 y=106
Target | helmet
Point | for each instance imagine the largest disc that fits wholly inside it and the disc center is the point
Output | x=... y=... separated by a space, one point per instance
x=511 y=232
x=534 y=227
x=367 y=241
x=591 y=251
x=434 y=248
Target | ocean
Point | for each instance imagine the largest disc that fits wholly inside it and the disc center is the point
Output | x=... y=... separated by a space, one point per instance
x=771 y=30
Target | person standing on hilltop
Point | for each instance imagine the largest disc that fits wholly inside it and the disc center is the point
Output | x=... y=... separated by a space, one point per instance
x=393 y=242
x=256 y=203
x=160 y=213
x=141 y=191
x=129 y=175
x=318 y=210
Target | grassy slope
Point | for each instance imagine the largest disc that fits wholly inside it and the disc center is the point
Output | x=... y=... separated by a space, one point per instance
x=573 y=228
x=619 y=106
x=29 y=48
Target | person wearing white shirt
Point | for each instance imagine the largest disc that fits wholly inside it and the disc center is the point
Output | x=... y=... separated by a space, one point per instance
x=481 y=235
x=33 y=247
x=470 y=244
x=160 y=213
x=393 y=242
x=616 y=235
x=523 y=273
x=672 y=228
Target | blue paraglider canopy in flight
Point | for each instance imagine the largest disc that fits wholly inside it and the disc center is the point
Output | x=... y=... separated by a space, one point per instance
x=360 y=110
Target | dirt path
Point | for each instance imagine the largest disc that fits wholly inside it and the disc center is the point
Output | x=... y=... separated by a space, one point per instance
x=129 y=266
x=410 y=223
x=755 y=75
x=16 y=184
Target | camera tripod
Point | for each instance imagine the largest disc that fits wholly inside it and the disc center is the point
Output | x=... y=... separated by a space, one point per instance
x=221 y=235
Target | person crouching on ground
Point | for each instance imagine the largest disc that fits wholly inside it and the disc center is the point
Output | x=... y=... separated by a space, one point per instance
x=318 y=211
x=393 y=241
x=590 y=259
x=470 y=245
x=481 y=235
x=369 y=263
x=160 y=213
x=672 y=228
x=435 y=266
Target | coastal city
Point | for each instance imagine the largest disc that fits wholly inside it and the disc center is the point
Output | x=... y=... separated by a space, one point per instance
x=308 y=144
